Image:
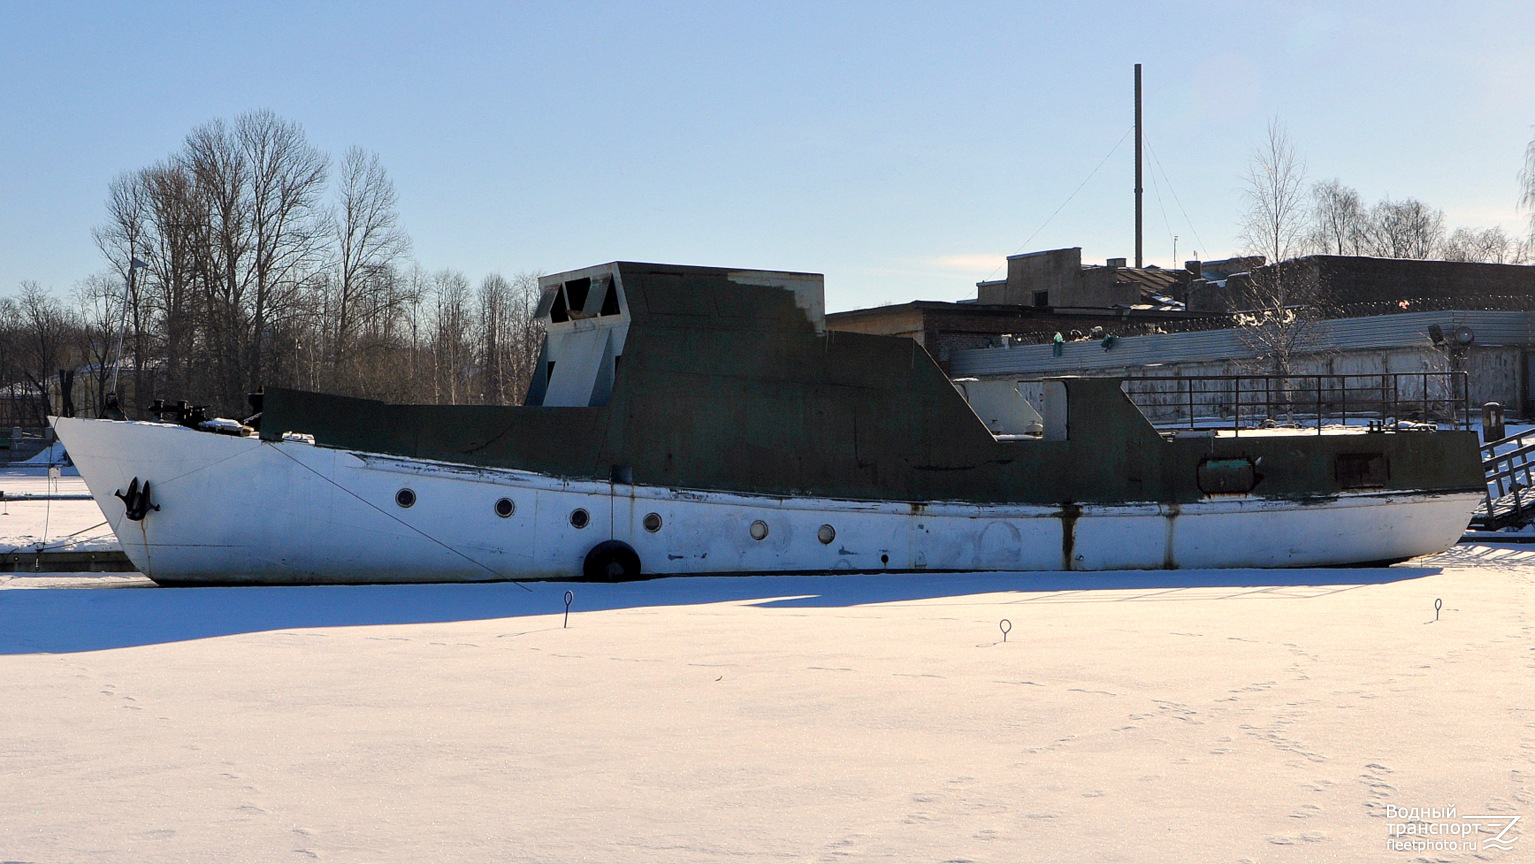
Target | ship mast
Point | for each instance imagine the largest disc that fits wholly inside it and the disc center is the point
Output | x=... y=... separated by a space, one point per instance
x=1138 y=189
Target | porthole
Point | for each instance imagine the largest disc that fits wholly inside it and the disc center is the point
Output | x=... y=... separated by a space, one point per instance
x=505 y=508
x=579 y=518
x=884 y=559
x=652 y=522
x=759 y=530
x=405 y=497
x=826 y=535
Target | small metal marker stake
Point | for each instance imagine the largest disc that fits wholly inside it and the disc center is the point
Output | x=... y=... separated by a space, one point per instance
x=1438 y=604
x=1005 y=626
x=570 y=597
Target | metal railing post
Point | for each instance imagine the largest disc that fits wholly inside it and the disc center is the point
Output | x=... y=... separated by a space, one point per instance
x=1318 y=404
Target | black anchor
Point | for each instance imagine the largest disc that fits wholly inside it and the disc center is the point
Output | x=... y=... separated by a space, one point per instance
x=136 y=501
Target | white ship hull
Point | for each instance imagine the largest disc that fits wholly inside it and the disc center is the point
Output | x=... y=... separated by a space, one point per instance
x=237 y=509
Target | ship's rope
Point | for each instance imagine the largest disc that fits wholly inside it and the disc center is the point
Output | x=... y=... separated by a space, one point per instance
x=1176 y=199
x=42 y=547
x=1058 y=210
x=389 y=515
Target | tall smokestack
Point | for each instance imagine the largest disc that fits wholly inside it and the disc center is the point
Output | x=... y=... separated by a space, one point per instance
x=1138 y=189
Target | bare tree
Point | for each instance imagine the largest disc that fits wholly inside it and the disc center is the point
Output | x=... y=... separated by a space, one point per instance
x=368 y=242
x=98 y=300
x=527 y=332
x=123 y=240
x=1406 y=229
x=1527 y=199
x=387 y=341
x=1340 y=224
x=1276 y=308
x=1523 y=251
x=287 y=180
x=257 y=188
x=221 y=175
x=1489 y=245
x=251 y=280
x=177 y=253
x=1274 y=219
x=451 y=326
x=48 y=331
x=16 y=404
x=495 y=339
x=413 y=299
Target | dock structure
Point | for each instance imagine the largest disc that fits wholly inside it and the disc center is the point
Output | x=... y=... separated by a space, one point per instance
x=55 y=561
x=49 y=523
x=1510 y=500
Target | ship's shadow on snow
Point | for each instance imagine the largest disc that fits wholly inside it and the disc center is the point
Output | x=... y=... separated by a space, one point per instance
x=66 y=620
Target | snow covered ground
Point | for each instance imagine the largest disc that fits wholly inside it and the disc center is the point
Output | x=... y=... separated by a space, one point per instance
x=1190 y=716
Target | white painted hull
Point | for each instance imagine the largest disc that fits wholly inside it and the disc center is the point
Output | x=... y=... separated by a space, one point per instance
x=243 y=510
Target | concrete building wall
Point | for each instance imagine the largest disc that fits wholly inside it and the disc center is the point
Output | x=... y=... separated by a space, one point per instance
x=1054 y=273
x=907 y=320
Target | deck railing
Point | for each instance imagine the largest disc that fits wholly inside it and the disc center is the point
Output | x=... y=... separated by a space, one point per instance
x=1388 y=401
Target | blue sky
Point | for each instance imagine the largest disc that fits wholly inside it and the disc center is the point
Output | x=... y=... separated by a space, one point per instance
x=902 y=149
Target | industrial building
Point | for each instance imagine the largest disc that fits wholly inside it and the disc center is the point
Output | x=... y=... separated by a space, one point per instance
x=1352 y=316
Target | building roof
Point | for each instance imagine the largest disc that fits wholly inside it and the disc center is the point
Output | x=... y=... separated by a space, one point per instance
x=1155 y=285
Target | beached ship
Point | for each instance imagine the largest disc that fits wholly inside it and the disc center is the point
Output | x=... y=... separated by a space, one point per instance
x=691 y=420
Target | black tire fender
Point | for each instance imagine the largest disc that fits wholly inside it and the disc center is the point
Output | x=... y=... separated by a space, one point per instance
x=611 y=561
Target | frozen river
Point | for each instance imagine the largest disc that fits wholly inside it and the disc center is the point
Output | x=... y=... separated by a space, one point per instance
x=1195 y=715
